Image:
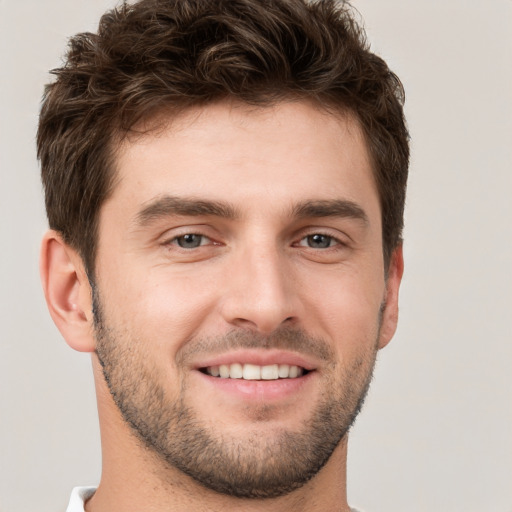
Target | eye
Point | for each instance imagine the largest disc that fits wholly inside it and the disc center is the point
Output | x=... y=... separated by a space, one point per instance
x=191 y=241
x=318 y=241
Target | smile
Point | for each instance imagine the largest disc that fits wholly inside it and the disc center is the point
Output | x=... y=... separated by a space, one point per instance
x=254 y=372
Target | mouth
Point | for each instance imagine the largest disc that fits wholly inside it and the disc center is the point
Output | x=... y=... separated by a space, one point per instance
x=248 y=371
x=271 y=376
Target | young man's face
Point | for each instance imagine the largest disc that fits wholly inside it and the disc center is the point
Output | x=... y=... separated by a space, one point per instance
x=246 y=242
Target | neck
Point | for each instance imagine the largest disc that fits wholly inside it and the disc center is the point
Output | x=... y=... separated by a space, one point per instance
x=133 y=478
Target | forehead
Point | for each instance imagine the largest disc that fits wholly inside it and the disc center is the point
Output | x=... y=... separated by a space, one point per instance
x=284 y=154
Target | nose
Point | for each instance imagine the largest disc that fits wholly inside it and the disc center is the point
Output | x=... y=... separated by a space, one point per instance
x=260 y=291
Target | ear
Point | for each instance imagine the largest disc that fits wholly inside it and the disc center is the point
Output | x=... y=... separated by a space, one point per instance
x=390 y=313
x=67 y=292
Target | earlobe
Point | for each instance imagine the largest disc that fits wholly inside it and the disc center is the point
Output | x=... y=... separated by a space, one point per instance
x=67 y=292
x=390 y=312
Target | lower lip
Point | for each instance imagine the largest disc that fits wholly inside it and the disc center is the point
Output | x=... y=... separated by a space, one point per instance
x=259 y=389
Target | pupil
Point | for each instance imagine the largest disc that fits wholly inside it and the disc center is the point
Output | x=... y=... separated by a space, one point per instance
x=189 y=241
x=319 y=241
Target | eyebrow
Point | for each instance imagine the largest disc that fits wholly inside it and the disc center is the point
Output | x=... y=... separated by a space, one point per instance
x=330 y=208
x=166 y=206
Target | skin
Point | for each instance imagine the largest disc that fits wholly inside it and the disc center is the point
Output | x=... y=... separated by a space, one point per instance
x=254 y=272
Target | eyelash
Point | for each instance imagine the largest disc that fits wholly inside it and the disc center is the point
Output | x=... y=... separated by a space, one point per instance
x=332 y=241
x=175 y=240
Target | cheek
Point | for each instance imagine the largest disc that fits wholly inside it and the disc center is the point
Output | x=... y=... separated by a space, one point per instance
x=345 y=304
x=165 y=308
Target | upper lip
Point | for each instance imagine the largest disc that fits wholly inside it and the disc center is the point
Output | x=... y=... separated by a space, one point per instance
x=257 y=357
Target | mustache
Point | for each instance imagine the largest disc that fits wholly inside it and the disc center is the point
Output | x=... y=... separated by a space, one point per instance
x=286 y=338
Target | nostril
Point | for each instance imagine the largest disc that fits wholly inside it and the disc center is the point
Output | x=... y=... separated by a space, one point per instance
x=243 y=322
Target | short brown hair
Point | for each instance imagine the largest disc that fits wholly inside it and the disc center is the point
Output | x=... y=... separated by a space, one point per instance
x=158 y=54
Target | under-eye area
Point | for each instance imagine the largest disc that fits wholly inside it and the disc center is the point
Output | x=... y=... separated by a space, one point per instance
x=255 y=372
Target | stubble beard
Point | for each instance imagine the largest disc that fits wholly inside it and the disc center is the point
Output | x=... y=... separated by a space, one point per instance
x=255 y=465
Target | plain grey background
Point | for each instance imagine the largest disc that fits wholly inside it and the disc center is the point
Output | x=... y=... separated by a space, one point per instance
x=436 y=431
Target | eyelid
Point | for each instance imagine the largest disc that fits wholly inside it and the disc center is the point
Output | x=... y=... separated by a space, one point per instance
x=171 y=248
x=176 y=237
x=185 y=229
x=340 y=237
x=170 y=236
x=173 y=241
x=336 y=240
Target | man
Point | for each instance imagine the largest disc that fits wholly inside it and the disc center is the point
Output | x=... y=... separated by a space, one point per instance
x=225 y=185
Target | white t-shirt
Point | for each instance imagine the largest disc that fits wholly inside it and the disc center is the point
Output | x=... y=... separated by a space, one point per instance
x=78 y=497
x=81 y=494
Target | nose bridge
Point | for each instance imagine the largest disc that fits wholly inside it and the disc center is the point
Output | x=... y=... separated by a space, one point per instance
x=261 y=293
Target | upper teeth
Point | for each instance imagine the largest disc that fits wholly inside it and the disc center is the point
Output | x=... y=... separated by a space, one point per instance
x=255 y=372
